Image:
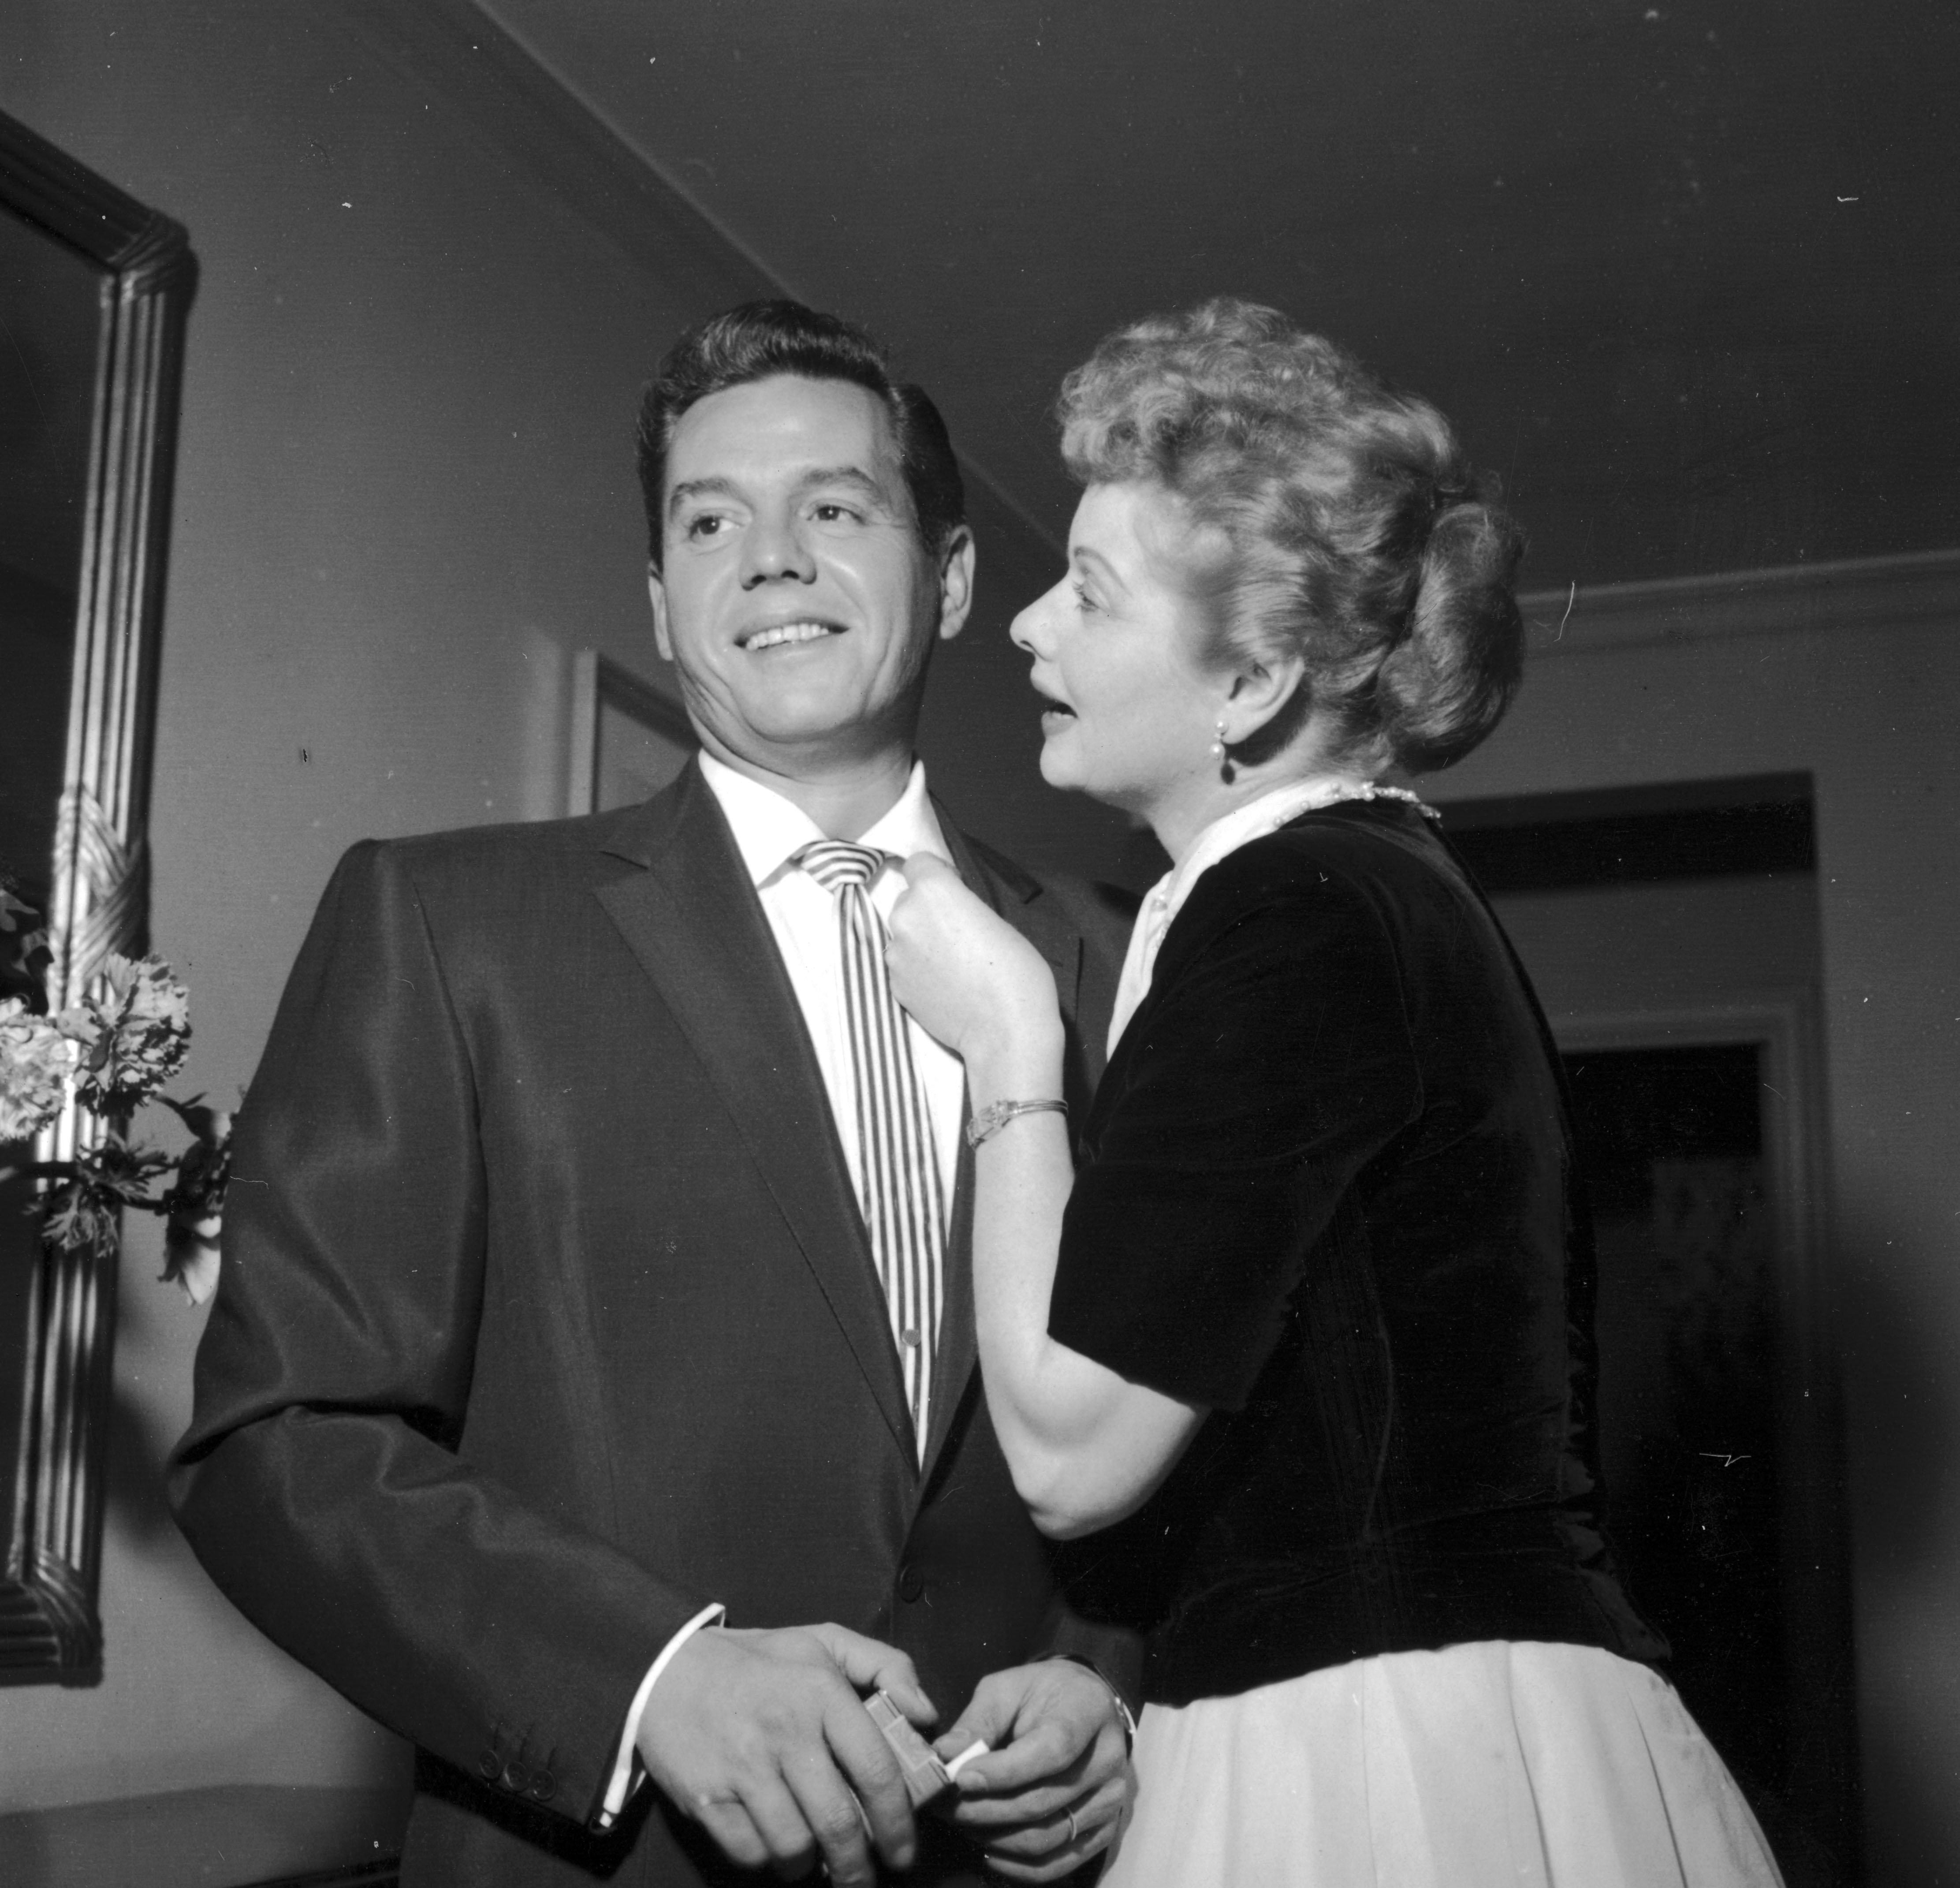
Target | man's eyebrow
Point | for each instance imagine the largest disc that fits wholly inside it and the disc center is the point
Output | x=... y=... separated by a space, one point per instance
x=855 y=476
x=689 y=488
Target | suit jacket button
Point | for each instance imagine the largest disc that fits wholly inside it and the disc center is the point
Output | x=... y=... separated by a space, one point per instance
x=543 y=1784
x=516 y=1776
x=489 y=1766
x=912 y=1583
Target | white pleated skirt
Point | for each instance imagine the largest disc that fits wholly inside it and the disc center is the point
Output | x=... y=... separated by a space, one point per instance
x=1488 y=1765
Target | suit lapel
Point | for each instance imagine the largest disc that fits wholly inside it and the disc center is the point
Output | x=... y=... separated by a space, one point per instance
x=1016 y=896
x=693 y=919
x=958 y=1349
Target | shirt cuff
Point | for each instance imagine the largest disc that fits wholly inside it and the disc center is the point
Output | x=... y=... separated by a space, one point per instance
x=627 y=1772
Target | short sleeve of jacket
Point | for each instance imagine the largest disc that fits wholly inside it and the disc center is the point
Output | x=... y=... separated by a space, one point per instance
x=1271 y=1062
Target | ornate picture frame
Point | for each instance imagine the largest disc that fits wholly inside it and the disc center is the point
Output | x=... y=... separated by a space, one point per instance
x=50 y=1628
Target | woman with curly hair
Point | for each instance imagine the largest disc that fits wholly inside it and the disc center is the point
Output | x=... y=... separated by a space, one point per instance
x=1301 y=1342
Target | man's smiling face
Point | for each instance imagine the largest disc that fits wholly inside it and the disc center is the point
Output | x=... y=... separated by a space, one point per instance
x=795 y=598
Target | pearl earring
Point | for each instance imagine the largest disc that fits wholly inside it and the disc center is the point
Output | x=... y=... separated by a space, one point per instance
x=1226 y=771
x=1218 y=746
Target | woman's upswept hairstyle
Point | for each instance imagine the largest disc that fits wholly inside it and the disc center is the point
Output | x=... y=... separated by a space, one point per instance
x=762 y=338
x=1359 y=537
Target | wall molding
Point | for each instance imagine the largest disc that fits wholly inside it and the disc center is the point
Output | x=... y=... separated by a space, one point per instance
x=1855 y=594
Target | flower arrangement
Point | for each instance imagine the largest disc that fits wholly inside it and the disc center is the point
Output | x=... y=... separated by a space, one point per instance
x=111 y=1052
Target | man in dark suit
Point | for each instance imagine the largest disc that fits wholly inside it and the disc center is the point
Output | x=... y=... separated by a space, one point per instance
x=595 y=1256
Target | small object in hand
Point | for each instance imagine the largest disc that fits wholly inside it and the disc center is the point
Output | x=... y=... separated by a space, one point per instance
x=925 y=1776
x=978 y=1748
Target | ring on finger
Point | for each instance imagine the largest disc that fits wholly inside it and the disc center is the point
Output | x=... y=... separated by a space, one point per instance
x=1071 y=1826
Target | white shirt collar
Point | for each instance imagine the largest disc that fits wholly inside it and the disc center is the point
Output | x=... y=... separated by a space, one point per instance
x=1223 y=836
x=769 y=828
x=1272 y=810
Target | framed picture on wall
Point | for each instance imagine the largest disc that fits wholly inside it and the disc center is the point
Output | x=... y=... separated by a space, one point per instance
x=628 y=739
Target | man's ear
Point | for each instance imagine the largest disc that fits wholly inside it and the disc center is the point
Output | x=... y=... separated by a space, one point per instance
x=657 y=594
x=957 y=564
x=1259 y=691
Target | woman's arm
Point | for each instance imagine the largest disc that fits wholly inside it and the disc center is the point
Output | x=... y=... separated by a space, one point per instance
x=1086 y=1446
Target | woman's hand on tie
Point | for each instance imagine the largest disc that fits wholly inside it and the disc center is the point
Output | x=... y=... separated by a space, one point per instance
x=972 y=981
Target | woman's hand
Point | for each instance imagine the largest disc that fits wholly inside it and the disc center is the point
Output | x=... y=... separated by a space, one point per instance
x=1085 y=1446
x=972 y=980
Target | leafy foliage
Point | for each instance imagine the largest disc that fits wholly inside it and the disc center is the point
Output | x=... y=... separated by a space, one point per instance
x=133 y=1035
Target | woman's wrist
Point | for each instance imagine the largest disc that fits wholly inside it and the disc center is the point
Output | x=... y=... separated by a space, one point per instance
x=1017 y=1064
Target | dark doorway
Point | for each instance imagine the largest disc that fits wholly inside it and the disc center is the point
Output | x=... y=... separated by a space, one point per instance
x=1671 y=932
x=1672 y=1143
x=1693 y=1381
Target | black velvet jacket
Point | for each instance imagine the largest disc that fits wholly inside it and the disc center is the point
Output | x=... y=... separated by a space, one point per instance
x=1327 y=1191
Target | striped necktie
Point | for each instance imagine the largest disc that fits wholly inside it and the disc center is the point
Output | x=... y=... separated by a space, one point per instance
x=899 y=1185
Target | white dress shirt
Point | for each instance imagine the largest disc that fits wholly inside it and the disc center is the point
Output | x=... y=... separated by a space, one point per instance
x=769 y=830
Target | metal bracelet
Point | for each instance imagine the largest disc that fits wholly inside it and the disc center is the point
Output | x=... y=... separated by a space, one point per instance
x=996 y=1115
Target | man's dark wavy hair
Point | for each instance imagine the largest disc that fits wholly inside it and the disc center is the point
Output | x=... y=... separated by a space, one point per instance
x=761 y=338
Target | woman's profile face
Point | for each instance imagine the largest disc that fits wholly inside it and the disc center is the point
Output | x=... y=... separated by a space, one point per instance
x=1117 y=647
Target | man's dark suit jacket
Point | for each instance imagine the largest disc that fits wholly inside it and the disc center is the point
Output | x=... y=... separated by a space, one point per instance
x=548 y=1317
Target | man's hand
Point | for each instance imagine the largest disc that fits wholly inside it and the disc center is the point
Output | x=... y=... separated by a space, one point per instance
x=761 y=1738
x=1057 y=1785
